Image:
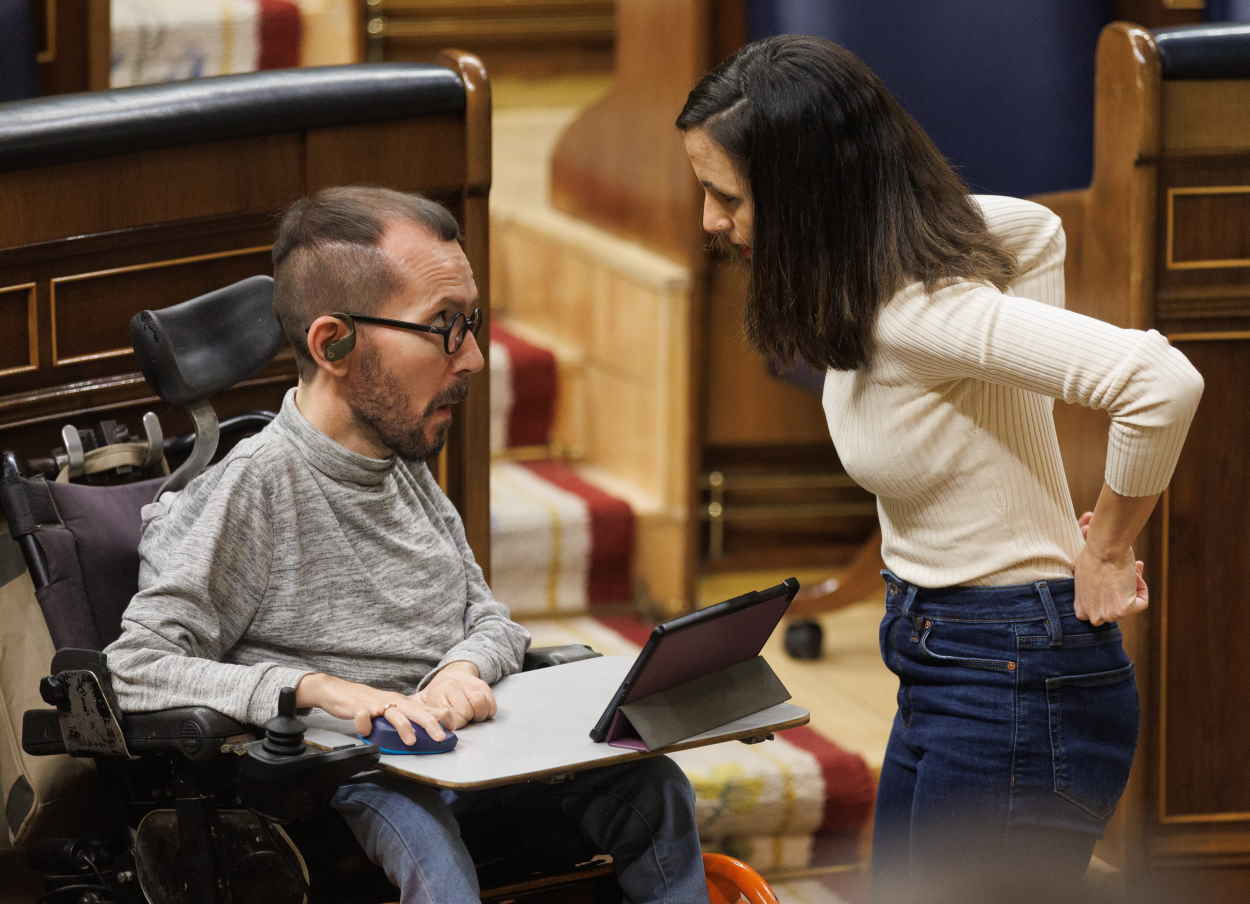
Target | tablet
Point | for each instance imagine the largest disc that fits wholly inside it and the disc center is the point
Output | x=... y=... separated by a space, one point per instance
x=700 y=643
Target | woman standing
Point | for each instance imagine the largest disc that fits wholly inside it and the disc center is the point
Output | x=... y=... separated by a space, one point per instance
x=939 y=318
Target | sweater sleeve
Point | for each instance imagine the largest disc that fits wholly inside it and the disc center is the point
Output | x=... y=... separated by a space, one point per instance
x=203 y=571
x=492 y=640
x=1149 y=389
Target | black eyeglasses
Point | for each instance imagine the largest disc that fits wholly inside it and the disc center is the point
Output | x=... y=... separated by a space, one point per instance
x=453 y=334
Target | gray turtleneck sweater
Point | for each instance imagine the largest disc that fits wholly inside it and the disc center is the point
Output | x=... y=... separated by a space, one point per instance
x=295 y=555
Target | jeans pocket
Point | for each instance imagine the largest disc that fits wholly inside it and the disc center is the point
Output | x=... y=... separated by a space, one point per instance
x=971 y=662
x=1093 y=734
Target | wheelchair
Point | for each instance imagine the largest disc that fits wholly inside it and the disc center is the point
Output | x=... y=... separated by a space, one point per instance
x=189 y=806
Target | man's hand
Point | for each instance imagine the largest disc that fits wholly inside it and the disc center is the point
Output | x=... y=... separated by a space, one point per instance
x=1106 y=588
x=360 y=703
x=460 y=691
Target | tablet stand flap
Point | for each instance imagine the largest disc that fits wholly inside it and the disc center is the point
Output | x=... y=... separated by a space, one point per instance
x=705 y=702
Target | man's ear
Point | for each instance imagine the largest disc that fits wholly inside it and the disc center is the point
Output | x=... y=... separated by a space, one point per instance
x=331 y=338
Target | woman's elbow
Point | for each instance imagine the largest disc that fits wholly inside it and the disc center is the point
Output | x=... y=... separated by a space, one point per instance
x=1188 y=385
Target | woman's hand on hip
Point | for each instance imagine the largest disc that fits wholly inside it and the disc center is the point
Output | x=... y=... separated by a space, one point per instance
x=1110 y=585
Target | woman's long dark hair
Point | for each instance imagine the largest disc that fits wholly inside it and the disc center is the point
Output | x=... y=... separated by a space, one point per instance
x=852 y=200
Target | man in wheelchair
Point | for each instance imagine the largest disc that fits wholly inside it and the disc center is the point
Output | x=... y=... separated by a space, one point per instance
x=321 y=554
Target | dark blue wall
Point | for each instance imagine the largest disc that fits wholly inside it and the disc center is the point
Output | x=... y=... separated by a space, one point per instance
x=1005 y=87
x=19 y=76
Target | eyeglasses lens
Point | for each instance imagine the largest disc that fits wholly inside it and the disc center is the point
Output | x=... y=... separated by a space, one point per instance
x=460 y=327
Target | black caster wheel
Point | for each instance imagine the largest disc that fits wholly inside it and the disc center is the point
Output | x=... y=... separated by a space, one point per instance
x=804 y=639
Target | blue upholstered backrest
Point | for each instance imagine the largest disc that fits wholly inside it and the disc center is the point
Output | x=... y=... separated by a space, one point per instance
x=1005 y=88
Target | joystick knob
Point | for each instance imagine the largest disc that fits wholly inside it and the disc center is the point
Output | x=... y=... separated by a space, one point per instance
x=284 y=734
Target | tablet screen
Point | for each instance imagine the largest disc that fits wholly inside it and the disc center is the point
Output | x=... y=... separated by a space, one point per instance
x=699 y=643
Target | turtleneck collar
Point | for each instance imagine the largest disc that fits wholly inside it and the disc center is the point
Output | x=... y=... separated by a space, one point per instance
x=330 y=458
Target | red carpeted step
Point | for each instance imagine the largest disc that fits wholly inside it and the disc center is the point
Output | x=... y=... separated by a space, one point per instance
x=558 y=542
x=523 y=389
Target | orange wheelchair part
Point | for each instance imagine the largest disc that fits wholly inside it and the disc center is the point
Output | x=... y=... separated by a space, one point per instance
x=730 y=881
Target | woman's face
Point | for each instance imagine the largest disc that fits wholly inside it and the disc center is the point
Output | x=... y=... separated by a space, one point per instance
x=727 y=207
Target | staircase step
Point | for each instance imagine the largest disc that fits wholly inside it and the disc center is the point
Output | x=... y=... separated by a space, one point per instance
x=523 y=387
x=559 y=542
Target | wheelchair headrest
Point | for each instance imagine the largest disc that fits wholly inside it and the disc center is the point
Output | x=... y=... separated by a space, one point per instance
x=50 y=130
x=196 y=349
x=1213 y=50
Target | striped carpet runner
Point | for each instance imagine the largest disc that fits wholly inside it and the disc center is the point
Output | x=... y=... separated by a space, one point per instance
x=558 y=543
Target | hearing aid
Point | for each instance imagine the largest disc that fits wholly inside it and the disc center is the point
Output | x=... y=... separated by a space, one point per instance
x=337 y=349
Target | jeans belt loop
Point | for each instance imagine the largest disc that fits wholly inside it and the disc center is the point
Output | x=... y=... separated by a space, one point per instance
x=909 y=597
x=1054 y=630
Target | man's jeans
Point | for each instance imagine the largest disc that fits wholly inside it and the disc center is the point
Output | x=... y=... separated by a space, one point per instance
x=1012 y=743
x=642 y=813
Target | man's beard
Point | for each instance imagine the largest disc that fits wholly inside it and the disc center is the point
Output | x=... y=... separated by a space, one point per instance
x=380 y=402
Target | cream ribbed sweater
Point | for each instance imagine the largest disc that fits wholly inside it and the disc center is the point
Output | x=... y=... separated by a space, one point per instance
x=951 y=425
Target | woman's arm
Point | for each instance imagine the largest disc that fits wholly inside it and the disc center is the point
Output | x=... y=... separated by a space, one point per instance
x=1108 y=577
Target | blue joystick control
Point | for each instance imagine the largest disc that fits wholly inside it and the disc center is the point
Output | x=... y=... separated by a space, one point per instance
x=387 y=739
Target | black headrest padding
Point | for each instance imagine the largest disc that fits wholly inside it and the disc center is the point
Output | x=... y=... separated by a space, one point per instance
x=1207 y=51
x=196 y=349
x=49 y=130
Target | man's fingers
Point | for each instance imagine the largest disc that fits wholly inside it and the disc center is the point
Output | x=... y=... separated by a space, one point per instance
x=401 y=723
x=430 y=721
x=481 y=701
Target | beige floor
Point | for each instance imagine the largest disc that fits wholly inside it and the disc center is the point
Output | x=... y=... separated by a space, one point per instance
x=849 y=692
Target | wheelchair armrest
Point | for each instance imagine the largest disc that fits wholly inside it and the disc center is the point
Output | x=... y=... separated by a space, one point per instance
x=87 y=720
x=543 y=657
x=195 y=732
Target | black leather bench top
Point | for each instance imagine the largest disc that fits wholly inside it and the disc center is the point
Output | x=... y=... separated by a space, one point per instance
x=1213 y=50
x=49 y=130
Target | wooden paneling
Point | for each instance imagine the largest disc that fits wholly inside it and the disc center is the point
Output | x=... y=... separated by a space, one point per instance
x=73 y=44
x=516 y=37
x=19 y=352
x=621 y=165
x=1203 y=621
x=86 y=325
x=1208 y=227
x=213 y=179
x=88 y=287
x=1205 y=115
x=428 y=153
x=1203 y=227
x=1162 y=235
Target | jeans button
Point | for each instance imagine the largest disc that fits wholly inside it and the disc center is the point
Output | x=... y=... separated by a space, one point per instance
x=1011 y=666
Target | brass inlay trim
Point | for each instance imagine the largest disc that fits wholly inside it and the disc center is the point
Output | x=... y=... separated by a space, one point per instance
x=48 y=54
x=538 y=453
x=1208 y=337
x=58 y=361
x=1165 y=517
x=439 y=30
x=1172 y=263
x=1184 y=4
x=32 y=330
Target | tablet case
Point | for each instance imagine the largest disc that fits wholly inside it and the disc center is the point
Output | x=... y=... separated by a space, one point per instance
x=711 y=700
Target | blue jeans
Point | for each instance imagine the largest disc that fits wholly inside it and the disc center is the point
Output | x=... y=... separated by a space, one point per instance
x=642 y=813
x=1012 y=743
